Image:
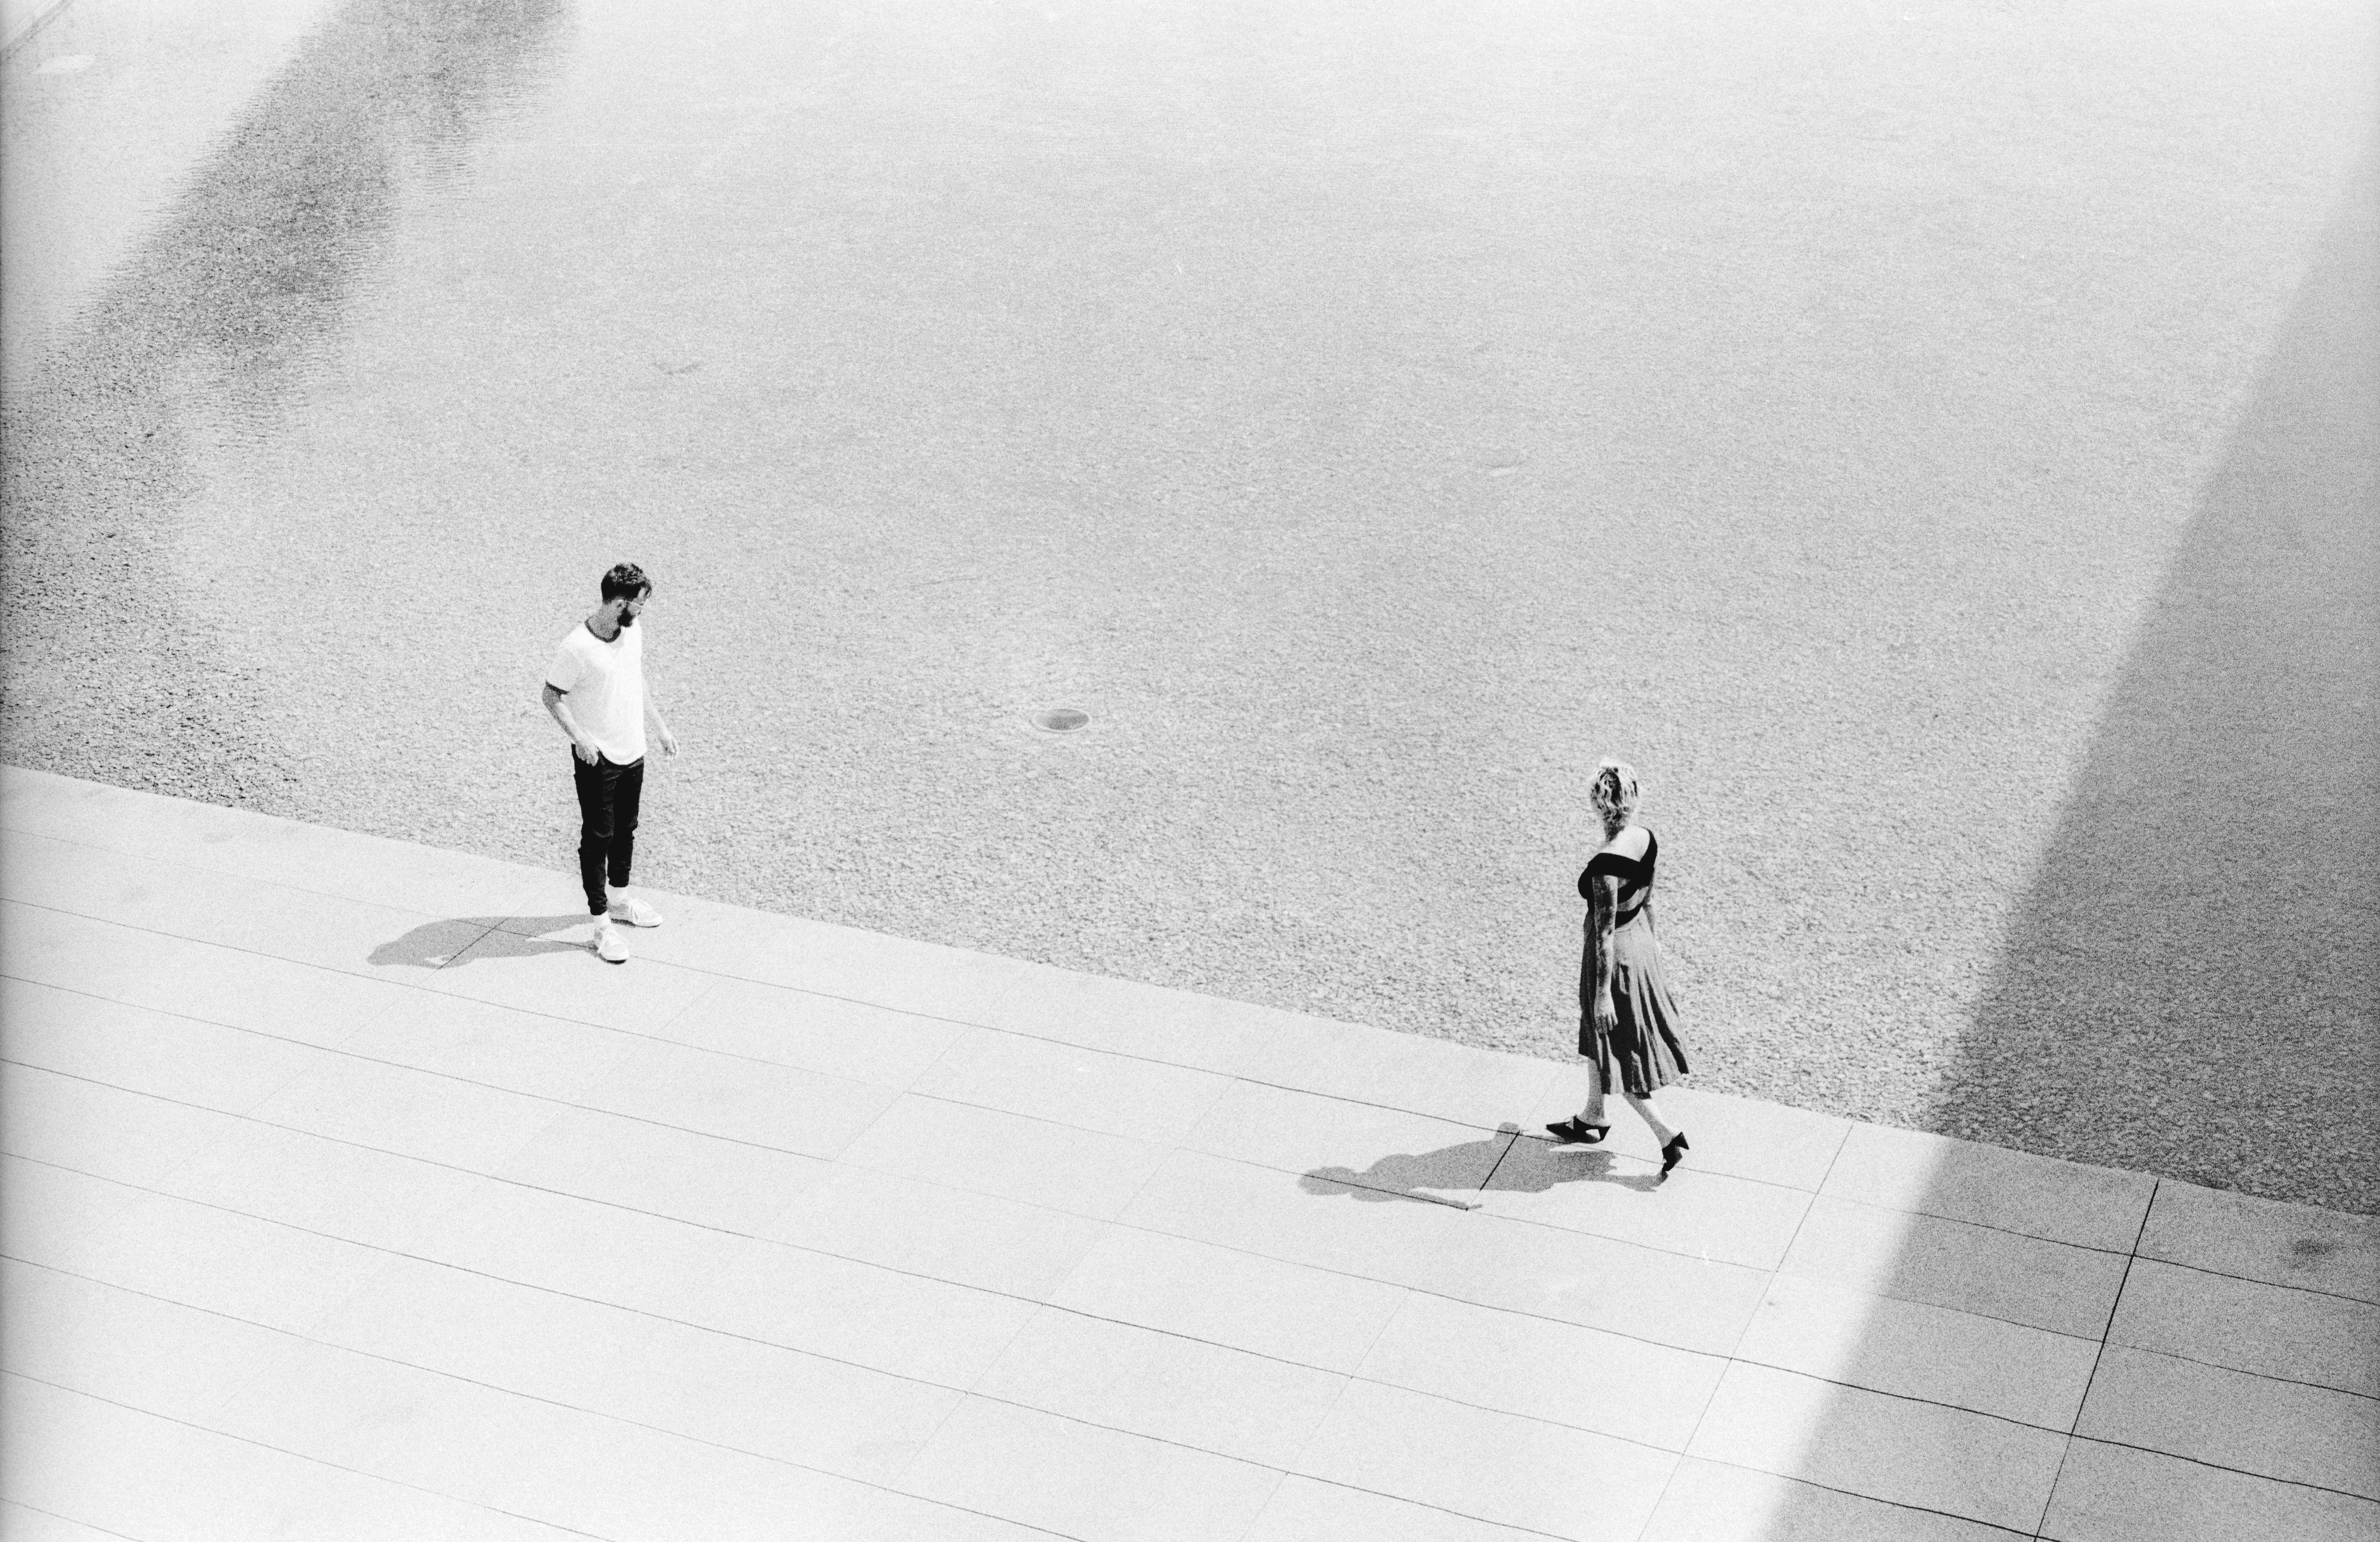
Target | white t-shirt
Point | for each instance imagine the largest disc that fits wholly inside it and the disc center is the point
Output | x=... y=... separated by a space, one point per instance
x=605 y=683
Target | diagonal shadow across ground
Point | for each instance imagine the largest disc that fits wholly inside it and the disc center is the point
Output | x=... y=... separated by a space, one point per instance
x=2190 y=982
x=207 y=332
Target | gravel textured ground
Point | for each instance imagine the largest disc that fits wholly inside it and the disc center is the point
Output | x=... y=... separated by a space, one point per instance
x=1937 y=445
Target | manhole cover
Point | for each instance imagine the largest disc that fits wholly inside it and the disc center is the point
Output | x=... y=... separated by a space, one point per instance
x=1060 y=720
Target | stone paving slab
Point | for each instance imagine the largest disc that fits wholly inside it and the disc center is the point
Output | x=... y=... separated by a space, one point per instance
x=343 y=1191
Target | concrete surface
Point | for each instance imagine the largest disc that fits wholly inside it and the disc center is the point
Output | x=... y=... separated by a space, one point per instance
x=1934 y=442
x=348 y=1194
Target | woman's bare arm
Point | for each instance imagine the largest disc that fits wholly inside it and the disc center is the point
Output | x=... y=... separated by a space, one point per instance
x=1602 y=904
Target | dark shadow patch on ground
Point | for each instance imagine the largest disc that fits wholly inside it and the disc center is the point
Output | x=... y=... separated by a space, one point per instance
x=1533 y=1166
x=2205 y=931
x=1410 y=1175
x=437 y=944
x=203 y=334
x=1505 y=1161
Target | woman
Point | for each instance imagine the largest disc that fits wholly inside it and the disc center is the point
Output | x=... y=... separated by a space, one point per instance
x=1625 y=1012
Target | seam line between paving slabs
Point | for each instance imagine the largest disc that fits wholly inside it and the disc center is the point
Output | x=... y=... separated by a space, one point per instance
x=652 y=1037
x=962 y=1394
x=996 y=1002
x=1297 y=1458
x=442 y=1075
x=830 y=1473
x=1418 y=1504
x=699 y=1327
x=738 y=1141
x=1013 y=986
x=729 y=974
x=120 y=853
x=1024 y=1321
x=1978 y=1225
x=963 y=1391
x=656 y=1037
x=2218 y=1467
x=1153 y=1060
x=605 y=1414
x=1041 y=1039
x=2260 y=1375
x=497 y=1087
x=1509 y=1146
x=1281 y=1472
x=745 y=979
x=993 y=1005
x=866 y=1263
x=526 y=872
x=718 y=975
x=440 y=995
x=801 y=1247
x=1007 y=1295
x=2114 y=1304
x=1832 y=1158
x=1512 y=1138
x=301 y=1456
x=491 y=1087
x=443 y=1374
x=967 y=1390
x=494 y=926
x=6 y=1504
x=1855 y=1494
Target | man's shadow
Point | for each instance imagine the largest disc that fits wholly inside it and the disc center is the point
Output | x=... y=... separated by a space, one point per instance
x=1507 y=1161
x=436 y=944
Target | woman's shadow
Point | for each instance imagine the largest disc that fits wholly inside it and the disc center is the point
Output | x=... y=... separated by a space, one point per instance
x=1505 y=1162
x=436 y=944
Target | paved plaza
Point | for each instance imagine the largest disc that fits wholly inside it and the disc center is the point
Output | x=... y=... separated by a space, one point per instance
x=1935 y=445
x=350 y=1195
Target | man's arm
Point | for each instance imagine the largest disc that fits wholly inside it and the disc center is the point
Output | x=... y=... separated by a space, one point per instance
x=558 y=703
x=652 y=711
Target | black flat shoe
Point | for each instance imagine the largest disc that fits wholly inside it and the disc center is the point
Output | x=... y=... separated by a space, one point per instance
x=1673 y=1152
x=1578 y=1132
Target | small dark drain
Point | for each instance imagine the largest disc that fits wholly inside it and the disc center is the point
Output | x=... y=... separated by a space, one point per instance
x=1060 y=720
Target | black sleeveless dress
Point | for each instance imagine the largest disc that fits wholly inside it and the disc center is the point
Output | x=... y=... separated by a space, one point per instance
x=1644 y=1040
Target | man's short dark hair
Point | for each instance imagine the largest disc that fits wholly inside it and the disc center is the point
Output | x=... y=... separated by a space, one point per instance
x=625 y=582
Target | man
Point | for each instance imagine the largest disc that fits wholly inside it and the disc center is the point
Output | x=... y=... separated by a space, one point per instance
x=595 y=688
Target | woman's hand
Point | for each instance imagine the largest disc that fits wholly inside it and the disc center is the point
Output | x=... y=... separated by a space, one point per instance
x=1606 y=1018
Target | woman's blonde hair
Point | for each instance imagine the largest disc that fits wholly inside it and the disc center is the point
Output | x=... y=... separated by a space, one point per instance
x=1614 y=791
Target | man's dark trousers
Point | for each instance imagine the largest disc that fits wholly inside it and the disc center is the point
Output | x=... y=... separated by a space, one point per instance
x=607 y=795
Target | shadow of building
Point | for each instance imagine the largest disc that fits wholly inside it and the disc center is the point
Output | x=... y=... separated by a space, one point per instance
x=204 y=331
x=2192 y=981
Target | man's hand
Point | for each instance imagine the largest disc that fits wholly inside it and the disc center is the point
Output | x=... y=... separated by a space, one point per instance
x=586 y=751
x=669 y=743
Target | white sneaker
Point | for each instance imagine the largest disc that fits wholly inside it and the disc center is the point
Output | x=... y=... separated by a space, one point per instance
x=609 y=945
x=637 y=913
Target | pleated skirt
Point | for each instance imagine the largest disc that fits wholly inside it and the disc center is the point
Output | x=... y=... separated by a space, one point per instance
x=1642 y=1052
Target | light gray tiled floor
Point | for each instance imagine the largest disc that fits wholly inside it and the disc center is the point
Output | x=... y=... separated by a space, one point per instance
x=1932 y=1354
x=1923 y=1455
x=2324 y=1341
x=372 y=1205
x=2108 y=1493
